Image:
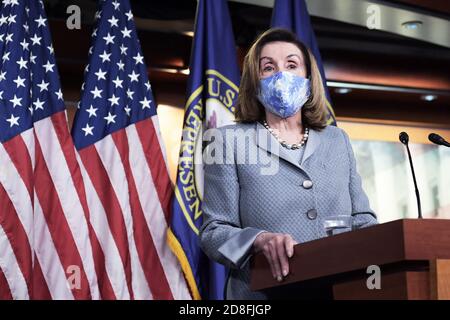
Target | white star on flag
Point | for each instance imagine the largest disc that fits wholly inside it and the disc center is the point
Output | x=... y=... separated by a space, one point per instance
x=38 y=104
x=100 y=75
x=43 y=85
x=113 y=21
x=109 y=39
x=97 y=93
x=139 y=59
x=114 y=100
x=22 y=63
x=41 y=21
x=19 y=82
x=123 y=49
x=88 y=130
x=36 y=40
x=129 y=14
x=126 y=33
x=48 y=67
x=145 y=103
x=105 y=56
x=118 y=82
x=134 y=76
x=110 y=118
x=92 y=111
x=13 y=121
x=16 y=101
x=130 y=94
x=59 y=94
x=24 y=45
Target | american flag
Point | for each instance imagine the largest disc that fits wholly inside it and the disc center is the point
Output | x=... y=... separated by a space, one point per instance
x=44 y=233
x=122 y=162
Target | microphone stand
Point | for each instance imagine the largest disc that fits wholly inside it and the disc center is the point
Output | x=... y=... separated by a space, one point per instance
x=415 y=182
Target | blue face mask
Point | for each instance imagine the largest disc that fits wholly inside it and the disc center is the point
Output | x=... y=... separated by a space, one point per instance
x=284 y=93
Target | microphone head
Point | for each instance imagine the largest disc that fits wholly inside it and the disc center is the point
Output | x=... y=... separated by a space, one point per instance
x=435 y=138
x=404 y=138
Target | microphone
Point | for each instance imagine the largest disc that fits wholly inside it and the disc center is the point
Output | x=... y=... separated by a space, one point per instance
x=404 y=138
x=437 y=139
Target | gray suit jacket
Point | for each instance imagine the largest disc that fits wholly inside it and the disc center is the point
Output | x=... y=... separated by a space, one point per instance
x=244 y=197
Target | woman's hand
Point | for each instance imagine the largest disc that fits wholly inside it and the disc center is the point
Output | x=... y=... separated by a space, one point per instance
x=278 y=248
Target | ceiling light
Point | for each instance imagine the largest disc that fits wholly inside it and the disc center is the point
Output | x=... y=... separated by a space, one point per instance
x=185 y=71
x=189 y=33
x=429 y=97
x=343 y=90
x=412 y=25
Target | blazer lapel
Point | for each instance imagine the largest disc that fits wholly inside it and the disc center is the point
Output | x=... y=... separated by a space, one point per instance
x=311 y=145
x=266 y=141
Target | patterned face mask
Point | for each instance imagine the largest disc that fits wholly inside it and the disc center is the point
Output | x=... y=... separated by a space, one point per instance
x=284 y=93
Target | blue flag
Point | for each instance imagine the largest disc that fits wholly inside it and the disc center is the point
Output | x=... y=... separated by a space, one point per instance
x=211 y=97
x=293 y=15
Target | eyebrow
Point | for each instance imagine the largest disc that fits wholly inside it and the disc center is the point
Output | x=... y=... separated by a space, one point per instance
x=294 y=55
x=265 y=58
x=289 y=56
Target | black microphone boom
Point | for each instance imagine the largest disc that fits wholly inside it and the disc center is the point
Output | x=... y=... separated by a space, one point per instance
x=437 y=139
x=404 y=138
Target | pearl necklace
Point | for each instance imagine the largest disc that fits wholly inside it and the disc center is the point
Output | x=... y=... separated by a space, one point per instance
x=292 y=146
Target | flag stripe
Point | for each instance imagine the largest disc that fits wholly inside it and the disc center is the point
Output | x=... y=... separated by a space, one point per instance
x=5 y=293
x=113 y=165
x=66 y=143
x=148 y=197
x=17 y=238
x=19 y=154
x=15 y=186
x=48 y=258
x=155 y=123
x=40 y=288
x=17 y=211
x=114 y=266
x=62 y=179
x=145 y=244
x=11 y=269
x=101 y=183
x=58 y=225
x=157 y=166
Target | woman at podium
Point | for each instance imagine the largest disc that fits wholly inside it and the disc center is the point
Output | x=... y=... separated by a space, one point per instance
x=283 y=173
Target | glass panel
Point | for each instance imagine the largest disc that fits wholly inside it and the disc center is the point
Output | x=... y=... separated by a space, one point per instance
x=387 y=179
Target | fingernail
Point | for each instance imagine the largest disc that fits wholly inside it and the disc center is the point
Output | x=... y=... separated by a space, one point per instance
x=290 y=254
x=279 y=279
x=285 y=272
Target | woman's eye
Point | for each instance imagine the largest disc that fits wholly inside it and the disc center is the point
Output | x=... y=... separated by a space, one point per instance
x=292 y=66
x=268 y=69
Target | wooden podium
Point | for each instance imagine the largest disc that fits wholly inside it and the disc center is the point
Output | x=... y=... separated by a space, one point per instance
x=413 y=256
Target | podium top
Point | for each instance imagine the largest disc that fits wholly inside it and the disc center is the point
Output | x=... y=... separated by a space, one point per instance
x=393 y=242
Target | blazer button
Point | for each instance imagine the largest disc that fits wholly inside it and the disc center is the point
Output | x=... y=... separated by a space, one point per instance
x=307 y=184
x=312 y=214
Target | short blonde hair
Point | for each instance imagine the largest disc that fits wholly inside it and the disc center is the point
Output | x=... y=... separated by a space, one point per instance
x=249 y=109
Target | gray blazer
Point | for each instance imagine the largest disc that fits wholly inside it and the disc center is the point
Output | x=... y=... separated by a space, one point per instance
x=244 y=197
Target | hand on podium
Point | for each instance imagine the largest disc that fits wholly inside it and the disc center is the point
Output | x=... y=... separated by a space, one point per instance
x=277 y=248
